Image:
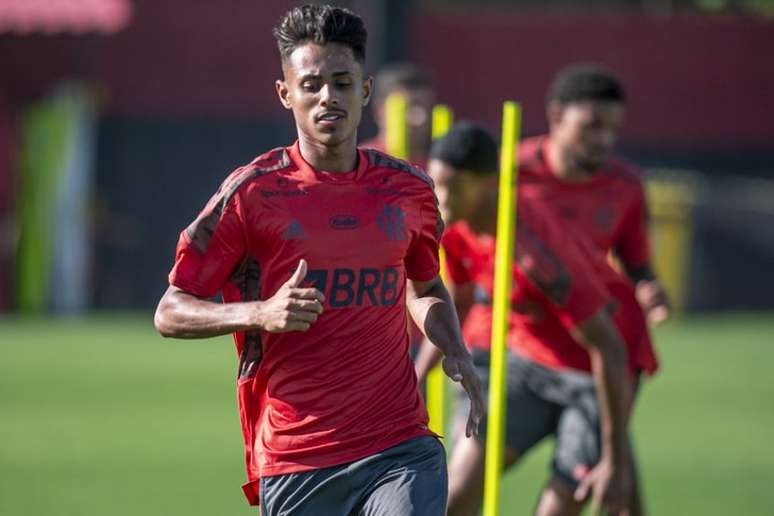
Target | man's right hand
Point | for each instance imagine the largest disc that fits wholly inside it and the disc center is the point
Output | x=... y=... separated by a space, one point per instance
x=610 y=488
x=292 y=308
x=461 y=370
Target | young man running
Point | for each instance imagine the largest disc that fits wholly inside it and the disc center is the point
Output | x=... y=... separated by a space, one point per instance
x=311 y=246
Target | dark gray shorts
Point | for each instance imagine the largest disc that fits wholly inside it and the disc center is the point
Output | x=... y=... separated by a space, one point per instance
x=543 y=402
x=407 y=479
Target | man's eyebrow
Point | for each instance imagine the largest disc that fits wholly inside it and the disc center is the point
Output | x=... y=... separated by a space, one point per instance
x=312 y=76
x=308 y=76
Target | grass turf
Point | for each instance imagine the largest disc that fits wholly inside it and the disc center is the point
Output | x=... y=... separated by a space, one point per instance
x=102 y=416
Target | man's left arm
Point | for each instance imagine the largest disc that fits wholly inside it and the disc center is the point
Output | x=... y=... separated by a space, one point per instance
x=633 y=249
x=434 y=314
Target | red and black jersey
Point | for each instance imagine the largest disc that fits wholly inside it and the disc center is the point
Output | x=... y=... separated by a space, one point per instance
x=609 y=210
x=346 y=388
x=555 y=288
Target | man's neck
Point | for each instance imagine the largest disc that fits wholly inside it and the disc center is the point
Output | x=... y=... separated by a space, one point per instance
x=562 y=168
x=330 y=158
x=484 y=218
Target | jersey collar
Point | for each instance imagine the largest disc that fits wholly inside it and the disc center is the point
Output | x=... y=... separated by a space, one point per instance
x=329 y=177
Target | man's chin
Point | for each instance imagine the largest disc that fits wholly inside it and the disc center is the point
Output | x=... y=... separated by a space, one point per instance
x=330 y=139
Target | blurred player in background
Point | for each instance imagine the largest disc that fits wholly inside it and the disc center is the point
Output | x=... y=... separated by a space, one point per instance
x=574 y=172
x=311 y=246
x=415 y=84
x=567 y=366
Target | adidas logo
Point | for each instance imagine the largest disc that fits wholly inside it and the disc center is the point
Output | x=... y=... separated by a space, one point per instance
x=295 y=231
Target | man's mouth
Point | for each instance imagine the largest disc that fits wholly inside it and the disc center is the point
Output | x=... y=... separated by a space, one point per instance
x=330 y=116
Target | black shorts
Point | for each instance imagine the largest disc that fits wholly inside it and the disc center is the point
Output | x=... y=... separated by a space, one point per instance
x=542 y=402
x=407 y=479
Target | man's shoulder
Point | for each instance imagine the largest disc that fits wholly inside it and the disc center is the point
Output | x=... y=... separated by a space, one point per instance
x=275 y=160
x=384 y=162
x=624 y=172
x=456 y=235
x=531 y=151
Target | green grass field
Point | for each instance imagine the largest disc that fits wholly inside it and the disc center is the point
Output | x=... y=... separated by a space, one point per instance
x=102 y=417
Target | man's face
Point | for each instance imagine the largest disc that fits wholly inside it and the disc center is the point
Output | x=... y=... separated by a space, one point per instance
x=326 y=89
x=586 y=132
x=462 y=195
x=419 y=114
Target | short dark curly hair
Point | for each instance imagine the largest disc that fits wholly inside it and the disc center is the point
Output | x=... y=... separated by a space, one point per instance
x=583 y=82
x=320 y=24
x=467 y=146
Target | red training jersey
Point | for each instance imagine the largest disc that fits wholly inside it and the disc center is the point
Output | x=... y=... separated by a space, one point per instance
x=610 y=209
x=555 y=288
x=346 y=388
x=377 y=143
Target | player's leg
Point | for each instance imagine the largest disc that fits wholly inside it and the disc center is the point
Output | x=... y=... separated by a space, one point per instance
x=637 y=505
x=406 y=480
x=577 y=445
x=557 y=498
x=529 y=420
x=466 y=475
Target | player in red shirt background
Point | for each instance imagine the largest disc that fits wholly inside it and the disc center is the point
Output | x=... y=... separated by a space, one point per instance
x=312 y=246
x=415 y=84
x=574 y=172
x=567 y=365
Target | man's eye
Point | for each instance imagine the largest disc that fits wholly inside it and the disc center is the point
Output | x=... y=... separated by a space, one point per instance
x=308 y=86
x=343 y=84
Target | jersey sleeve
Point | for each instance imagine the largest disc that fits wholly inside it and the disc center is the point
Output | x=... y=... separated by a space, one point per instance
x=558 y=271
x=210 y=248
x=458 y=269
x=422 y=263
x=633 y=245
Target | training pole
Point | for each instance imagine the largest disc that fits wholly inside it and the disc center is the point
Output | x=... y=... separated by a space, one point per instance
x=396 y=131
x=436 y=379
x=506 y=237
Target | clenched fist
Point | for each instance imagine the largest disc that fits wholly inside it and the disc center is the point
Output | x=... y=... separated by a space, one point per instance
x=292 y=308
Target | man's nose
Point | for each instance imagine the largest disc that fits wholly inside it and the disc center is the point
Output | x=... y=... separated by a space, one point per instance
x=328 y=96
x=606 y=138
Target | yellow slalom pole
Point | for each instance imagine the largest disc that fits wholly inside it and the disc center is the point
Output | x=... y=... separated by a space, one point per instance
x=506 y=237
x=436 y=379
x=396 y=130
x=443 y=118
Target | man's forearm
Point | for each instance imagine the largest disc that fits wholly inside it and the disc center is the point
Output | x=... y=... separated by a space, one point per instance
x=434 y=313
x=608 y=365
x=609 y=370
x=428 y=357
x=185 y=316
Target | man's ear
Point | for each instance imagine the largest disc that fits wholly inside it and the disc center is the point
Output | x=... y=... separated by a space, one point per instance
x=283 y=93
x=554 y=113
x=368 y=88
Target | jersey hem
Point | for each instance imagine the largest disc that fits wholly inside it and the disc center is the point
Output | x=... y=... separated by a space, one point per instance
x=251 y=489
